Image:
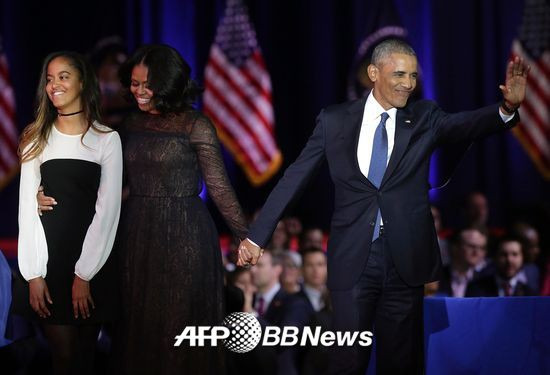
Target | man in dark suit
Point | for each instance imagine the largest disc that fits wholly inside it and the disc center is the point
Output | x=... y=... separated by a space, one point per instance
x=383 y=246
x=275 y=307
x=508 y=280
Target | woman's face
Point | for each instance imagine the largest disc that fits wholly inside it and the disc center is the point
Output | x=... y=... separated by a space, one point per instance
x=63 y=86
x=139 y=87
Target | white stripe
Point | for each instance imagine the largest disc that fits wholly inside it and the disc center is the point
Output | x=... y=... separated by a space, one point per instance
x=542 y=80
x=259 y=73
x=539 y=107
x=8 y=125
x=267 y=108
x=237 y=132
x=530 y=126
x=254 y=123
x=6 y=154
x=263 y=105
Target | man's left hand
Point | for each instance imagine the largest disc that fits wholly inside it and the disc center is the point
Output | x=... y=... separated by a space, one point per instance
x=513 y=90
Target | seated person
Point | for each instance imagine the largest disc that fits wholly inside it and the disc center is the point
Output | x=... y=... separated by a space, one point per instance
x=507 y=280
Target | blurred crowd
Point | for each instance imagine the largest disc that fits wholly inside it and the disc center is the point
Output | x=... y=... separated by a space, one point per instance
x=288 y=286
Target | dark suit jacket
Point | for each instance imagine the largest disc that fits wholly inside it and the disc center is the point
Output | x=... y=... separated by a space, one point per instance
x=488 y=287
x=402 y=196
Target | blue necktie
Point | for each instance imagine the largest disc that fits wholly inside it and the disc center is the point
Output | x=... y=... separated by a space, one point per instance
x=378 y=163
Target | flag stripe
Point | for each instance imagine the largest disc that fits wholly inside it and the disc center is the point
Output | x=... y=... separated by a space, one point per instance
x=231 y=126
x=237 y=95
x=235 y=113
x=220 y=74
x=250 y=88
x=9 y=161
x=538 y=138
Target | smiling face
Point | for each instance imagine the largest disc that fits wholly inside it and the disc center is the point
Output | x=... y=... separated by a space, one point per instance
x=394 y=79
x=63 y=85
x=139 y=87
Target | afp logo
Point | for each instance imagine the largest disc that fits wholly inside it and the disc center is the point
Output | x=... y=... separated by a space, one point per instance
x=241 y=332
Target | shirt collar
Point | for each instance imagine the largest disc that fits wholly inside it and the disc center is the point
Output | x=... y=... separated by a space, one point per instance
x=270 y=294
x=373 y=109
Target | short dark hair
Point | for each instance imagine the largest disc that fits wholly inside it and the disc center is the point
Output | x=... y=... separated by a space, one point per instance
x=389 y=46
x=310 y=250
x=169 y=77
x=510 y=238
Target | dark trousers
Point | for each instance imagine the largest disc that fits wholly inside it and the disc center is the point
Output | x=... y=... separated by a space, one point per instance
x=380 y=300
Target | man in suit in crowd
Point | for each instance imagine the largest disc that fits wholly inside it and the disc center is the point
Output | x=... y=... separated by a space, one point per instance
x=468 y=260
x=383 y=246
x=275 y=307
x=508 y=280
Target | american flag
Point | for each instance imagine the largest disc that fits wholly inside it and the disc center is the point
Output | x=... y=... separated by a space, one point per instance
x=9 y=162
x=533 y=44
x=237 y=95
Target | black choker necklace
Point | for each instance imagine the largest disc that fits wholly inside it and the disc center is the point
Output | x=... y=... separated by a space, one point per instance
x=70 y=114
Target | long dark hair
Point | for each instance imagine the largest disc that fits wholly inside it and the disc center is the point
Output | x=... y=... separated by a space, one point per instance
x=37 y=132
x=169 y=77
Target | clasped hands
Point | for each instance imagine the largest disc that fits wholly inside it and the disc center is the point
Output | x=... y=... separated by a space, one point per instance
x=249 y=253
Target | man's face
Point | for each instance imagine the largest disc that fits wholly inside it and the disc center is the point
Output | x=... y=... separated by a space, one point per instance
x=265 y=273
x=313 y=238
x=477 y=209
x=509 y=259
x=315 y=269
x=473 y=247
x=394 y=79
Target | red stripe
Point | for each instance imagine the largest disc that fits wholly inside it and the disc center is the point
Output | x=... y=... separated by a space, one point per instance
x=543 y=66
x=533 y=84
x=257 y=56
x=10 y=110
x=251 y=106
x=7 y=138
x=218 y=122
x=533 y=146
x=5 y=167
x=254 y=82
x=4 y=70
x=245 y=125
x=527 y=106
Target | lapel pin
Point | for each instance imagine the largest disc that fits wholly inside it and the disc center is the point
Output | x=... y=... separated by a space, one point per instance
x=408 y=121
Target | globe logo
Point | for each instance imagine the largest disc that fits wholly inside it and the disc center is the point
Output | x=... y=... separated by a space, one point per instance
x=245 y=332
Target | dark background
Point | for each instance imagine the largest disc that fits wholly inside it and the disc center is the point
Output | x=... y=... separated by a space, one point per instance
x=309 y=47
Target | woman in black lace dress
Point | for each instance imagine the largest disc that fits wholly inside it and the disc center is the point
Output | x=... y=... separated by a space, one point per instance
x=170 y=260
x=171 y=266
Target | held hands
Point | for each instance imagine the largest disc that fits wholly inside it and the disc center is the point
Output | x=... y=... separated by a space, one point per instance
x=81 y=298
x=45 y=203
x=513 y=91
x=248 y=254
x=38 y=295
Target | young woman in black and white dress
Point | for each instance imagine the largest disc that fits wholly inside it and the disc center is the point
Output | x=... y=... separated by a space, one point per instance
x=65 y=253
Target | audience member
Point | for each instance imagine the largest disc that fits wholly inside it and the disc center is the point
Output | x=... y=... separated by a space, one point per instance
x=508 y=280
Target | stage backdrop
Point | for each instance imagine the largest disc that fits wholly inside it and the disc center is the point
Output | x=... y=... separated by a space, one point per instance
x=311 y=48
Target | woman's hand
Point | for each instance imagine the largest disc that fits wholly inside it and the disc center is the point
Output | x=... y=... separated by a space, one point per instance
x=38 y=295
x=82 y=299
x=45 y=203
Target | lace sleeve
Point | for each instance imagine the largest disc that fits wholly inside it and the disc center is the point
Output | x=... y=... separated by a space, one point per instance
x=205 y=142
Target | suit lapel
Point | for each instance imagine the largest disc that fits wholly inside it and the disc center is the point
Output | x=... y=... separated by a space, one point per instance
x=355 y=113
x=404 y=125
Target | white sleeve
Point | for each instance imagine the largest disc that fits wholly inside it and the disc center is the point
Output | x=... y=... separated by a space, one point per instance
x=102 y=231
x=504 y=116
x=32 y=249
